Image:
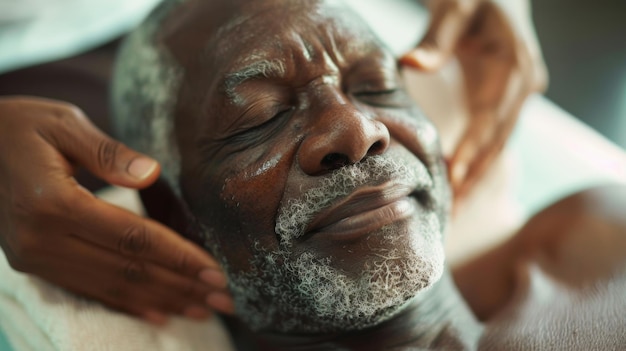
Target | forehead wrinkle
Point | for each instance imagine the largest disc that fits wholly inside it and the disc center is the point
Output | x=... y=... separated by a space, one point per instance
x=305 y=48
x=325 y=48
x=335 y=50
x=341 y=36
x=351 y=24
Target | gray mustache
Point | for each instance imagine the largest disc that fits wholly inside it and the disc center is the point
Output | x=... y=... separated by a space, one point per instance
x=295 y=215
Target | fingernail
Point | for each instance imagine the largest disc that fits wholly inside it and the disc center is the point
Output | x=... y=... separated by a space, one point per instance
x=196 y=312
x=221 y=302
x=425 y=58
x=142 y=167
x=213 y=277
x=155 y=317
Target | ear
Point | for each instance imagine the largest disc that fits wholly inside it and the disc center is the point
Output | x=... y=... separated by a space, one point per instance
x=165 y=206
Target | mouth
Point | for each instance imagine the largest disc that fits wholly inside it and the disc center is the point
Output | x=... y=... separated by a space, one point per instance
x=366 y=210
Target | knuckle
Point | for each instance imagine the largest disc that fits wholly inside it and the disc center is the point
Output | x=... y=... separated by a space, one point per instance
x=63 y=204
x=106 y=154
x=190 y=289
x=43 y=202
x=66 y=116
x=67 y=111
x=183 y=262
x=134 y=240
x=135 y=272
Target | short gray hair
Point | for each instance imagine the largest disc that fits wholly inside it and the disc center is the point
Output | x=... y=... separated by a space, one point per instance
x=145 y=88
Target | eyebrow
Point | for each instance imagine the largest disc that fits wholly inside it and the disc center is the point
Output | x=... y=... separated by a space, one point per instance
x=258 y=69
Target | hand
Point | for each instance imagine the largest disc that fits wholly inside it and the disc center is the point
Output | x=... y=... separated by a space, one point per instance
x=52 y=227
x=501 y=64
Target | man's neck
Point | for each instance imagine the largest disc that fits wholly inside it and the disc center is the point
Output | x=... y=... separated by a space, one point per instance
x=436 y=319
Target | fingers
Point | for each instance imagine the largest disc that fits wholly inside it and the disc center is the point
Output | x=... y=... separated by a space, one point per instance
x=96 y=250
x=128 y=234
x=498 y=77
x=143 y=289
x=53 y=228
x=151 y=243
x=449 y=21
x=78 y=139
x=483 y=142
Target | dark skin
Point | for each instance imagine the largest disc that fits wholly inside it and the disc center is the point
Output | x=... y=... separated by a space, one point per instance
x=501 y=64
x=557 y=281
x=284 y=124
x=51 y=225
x=248 y=149
x=232 y=156
x=189 y=281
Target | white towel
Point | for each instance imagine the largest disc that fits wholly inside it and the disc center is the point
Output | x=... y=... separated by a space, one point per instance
x=36 y=316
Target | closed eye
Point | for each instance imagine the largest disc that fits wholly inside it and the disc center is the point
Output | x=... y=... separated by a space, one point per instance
x=259 y=134
x=387 y=98
x=375 y=93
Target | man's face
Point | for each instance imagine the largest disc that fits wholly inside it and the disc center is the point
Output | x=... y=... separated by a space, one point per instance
x=318 y=182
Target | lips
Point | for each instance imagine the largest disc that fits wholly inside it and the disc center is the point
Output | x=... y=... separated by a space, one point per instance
x=365 y=210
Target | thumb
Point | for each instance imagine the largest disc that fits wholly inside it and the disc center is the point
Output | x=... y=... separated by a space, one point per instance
x=103 y=156
x=449 y=20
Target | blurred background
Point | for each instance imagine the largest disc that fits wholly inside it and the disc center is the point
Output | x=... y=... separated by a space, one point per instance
x=584 y=45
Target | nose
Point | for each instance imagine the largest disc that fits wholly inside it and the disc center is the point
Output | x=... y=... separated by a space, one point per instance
x=342 y=135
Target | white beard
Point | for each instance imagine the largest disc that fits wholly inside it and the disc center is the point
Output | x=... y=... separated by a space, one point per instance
x=308 y=294
x=316 y=297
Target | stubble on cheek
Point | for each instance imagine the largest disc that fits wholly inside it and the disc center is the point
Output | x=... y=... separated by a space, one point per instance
x=244 y=209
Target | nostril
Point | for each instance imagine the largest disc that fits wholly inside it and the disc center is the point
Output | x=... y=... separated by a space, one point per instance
x=334 y=161
x=375 y=148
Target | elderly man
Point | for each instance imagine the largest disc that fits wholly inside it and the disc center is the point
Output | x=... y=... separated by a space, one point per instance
x=294 y=155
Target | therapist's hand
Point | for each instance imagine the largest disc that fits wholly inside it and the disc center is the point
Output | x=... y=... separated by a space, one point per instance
x=53 y=228
x=501 y=64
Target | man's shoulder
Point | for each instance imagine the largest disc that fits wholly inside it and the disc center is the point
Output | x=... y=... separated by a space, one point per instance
x=581 y=239
x=570 y=278
x=547 y=314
